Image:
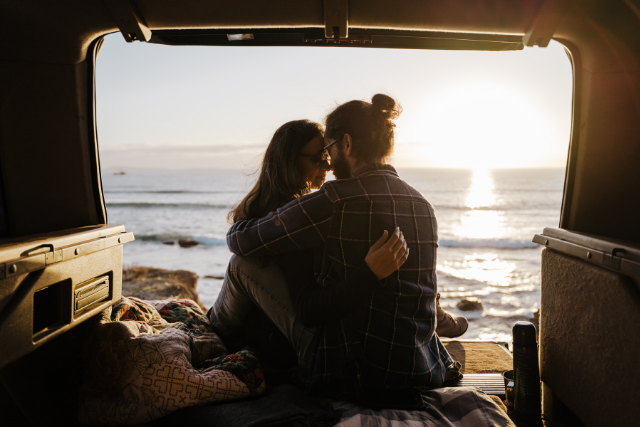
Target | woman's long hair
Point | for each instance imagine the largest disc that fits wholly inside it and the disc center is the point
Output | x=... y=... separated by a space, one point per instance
x=279 y=181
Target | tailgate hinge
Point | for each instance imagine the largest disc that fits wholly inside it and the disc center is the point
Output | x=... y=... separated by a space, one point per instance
x=129 y=20
x=545 y=23
x=336 y=19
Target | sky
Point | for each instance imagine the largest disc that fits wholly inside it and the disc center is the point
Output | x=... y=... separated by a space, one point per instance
x=169 y=107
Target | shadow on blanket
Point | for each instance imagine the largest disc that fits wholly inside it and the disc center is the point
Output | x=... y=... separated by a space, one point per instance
x=147 y=359
x=283 y=405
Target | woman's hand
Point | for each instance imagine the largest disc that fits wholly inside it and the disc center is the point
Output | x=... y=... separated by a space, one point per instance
x=387 y=254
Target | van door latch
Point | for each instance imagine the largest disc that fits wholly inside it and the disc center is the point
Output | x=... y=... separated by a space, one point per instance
x=612 y=261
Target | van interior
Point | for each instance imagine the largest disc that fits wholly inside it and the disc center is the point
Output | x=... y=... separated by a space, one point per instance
x=62 y=260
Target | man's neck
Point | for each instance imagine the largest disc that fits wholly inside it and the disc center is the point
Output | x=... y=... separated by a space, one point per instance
x=360 y=164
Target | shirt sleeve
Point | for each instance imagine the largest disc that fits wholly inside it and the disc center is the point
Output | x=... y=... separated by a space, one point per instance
x=316 y=305
x=300 y=224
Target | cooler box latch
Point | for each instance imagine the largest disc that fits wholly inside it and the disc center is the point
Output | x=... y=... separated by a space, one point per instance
x=90 y=293
x=612 y=261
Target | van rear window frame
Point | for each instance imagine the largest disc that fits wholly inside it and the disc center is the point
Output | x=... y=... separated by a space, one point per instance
x=358 y=37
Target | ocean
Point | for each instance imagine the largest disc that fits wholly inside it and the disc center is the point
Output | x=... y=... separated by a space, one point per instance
x=486 y=220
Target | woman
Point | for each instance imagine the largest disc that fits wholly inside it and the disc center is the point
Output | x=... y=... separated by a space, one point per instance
x=285 y=289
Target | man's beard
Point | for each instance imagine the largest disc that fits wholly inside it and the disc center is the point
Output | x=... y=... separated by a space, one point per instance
x=341 y=168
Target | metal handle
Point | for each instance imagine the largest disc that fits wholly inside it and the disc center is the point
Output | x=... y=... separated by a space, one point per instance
x=41 y=249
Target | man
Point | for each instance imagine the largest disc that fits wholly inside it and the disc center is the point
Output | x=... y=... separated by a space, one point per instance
x=389 y=339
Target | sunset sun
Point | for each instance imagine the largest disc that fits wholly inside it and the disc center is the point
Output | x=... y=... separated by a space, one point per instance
x=480 y=125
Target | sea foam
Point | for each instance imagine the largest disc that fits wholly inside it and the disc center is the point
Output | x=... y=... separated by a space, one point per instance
x=488 y=243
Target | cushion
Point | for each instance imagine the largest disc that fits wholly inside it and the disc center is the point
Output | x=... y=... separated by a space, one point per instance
x=146 y=359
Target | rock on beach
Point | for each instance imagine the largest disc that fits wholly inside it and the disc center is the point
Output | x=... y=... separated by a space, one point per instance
x=470 y=304
x=157 y=284
x=187 y=243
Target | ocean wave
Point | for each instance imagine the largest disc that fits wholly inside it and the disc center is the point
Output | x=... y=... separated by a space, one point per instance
x=150 y=205
x=126 y=191
x=499 y=207
x=480 y=243
x=467 y=208
x=204 y=240
x=211 y=241
x=488 y=243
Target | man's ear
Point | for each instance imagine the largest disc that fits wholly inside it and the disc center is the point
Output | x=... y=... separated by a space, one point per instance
x=348 y=144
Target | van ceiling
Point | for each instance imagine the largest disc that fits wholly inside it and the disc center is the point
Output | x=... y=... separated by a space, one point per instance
x=61 y=31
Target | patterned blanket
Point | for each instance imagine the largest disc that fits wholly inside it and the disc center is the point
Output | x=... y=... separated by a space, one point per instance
x=146 y=359
x=446 y=407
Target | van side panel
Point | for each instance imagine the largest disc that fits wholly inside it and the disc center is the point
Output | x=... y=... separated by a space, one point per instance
x=45 y=154
x=602 y=171
x=589 y=347
x=607 y=156
x=4 y=227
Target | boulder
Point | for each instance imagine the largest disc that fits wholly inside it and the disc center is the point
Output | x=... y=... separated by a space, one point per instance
x=157 y=284
x=470 y=304
x=187 y=243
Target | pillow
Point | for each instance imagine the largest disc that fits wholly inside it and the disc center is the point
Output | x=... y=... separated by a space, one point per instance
x=138 y=366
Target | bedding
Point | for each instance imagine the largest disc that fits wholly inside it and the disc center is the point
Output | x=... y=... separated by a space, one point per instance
x=446 y=407
x=147 y=359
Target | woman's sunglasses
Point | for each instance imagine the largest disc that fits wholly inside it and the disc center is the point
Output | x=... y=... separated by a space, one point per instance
x=323 y=155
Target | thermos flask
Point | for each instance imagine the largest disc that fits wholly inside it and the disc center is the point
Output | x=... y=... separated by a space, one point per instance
x=526 y=370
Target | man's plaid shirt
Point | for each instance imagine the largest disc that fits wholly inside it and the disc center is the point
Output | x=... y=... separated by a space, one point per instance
x=392 y=339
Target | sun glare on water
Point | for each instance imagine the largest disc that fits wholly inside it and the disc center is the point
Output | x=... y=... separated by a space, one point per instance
x=480 y=222
x=481 y=190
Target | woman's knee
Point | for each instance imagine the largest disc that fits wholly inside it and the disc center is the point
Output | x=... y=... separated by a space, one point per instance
x=256 y=269
x=243 y=264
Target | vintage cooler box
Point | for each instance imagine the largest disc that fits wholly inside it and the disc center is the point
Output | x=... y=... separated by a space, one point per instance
x=52 y=282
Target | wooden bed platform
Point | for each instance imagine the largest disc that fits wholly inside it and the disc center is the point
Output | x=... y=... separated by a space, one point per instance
x=480 y=357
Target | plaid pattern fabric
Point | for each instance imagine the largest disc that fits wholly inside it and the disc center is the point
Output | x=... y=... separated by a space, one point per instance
x=392 y=340
x=445 y=407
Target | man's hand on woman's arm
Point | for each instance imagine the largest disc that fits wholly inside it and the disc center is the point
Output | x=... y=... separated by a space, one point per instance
x=387 y=254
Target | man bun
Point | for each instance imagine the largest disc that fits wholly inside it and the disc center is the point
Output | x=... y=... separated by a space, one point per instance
x=370 y=126
x=386 y=105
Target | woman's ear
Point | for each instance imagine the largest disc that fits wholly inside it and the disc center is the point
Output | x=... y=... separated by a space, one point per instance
x=348 y=144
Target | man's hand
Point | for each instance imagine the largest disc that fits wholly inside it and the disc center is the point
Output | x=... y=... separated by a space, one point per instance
x=387 y=254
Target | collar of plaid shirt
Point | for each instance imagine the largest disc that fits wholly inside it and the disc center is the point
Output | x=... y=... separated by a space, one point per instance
x=374 y=167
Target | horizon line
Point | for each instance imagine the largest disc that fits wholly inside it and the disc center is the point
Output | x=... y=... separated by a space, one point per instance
x=126 y=168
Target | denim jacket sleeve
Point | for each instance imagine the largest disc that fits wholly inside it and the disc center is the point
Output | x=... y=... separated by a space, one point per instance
x=300 y=224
